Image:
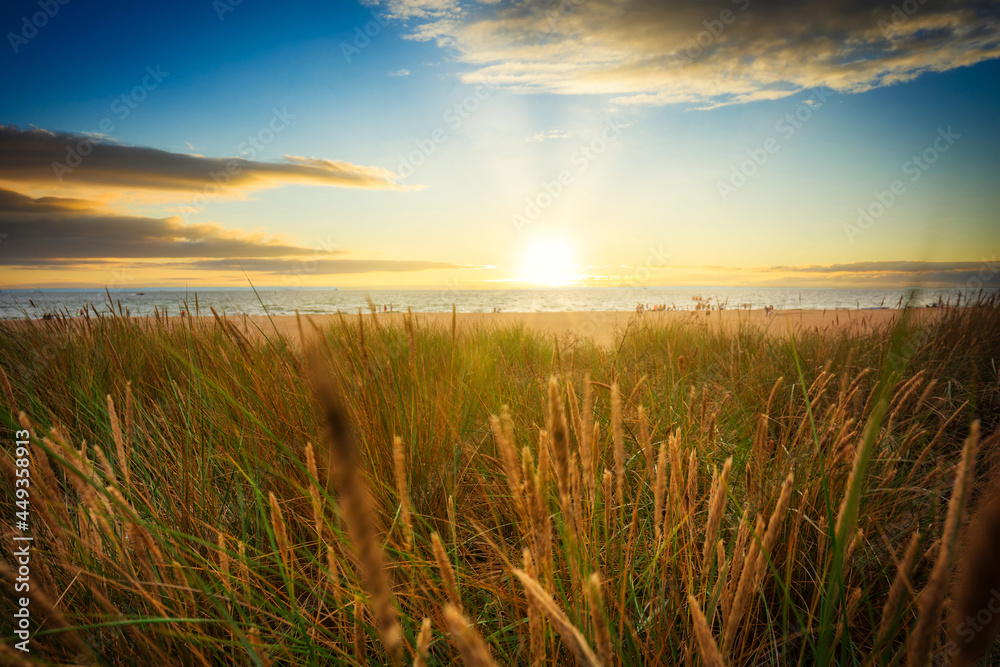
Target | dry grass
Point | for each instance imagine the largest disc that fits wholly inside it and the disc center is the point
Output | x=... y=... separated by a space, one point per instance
x=978 y=584
x=491 y=496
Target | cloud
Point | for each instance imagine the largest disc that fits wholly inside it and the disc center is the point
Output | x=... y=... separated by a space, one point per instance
x=420 y=9
x=551 y=134
x=15 y=202
x=710 y=53
x=910 y=267
x=41 y=157
x=908 y=273
x=400 y=72
x=273 y=267
x=322 y=266
x=50 y=228
x=67 y=234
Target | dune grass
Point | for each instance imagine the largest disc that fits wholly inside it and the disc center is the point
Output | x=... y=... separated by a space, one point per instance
x=372 y=494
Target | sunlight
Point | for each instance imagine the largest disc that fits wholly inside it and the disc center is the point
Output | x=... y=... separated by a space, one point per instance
x=548 y=261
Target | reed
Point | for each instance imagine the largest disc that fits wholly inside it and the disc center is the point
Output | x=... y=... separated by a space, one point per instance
x=618 y=440
x=572 y=638
x=243 y=500
x=707 y=648
x=536 y=630
x=280 y=531
x=773 y=526
x=598 y=619
x=716 y=506
x=470 y=645
x=446 y=571
x=558 y=431
x=116 y=434
x=976 y=609
x=931 y=599
x=587 y=437
x=8 y=392
x=900 y=586
x=315 y=495
x=422 y=654
x=509 y=458
x=355 y=503
x=646 y=441
x=399 y=468
x=659 y=492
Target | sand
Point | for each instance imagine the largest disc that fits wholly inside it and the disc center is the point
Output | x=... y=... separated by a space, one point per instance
x=605 y=328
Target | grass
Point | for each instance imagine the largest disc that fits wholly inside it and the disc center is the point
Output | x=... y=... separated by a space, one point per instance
x=206 y=496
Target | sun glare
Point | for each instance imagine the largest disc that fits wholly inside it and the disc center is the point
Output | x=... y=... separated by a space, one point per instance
x=548 y=261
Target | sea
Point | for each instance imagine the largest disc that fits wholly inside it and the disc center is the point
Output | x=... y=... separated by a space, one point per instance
x=34 y=303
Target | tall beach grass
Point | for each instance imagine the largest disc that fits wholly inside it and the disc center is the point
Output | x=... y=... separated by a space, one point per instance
x=367 y=494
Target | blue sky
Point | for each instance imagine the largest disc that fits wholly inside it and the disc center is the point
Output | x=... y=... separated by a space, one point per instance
x=655 y=194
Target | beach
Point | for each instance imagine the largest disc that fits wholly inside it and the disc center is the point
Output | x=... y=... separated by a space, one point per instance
x=602 y=327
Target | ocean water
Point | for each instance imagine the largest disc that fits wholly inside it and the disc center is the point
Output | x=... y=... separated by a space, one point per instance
x=283 y=301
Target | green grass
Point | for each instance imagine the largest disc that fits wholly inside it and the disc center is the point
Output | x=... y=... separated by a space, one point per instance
x=183 y=562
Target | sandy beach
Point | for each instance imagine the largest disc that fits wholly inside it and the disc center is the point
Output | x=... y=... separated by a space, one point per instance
x=603 y=327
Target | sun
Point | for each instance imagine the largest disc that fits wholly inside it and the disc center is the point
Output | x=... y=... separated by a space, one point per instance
x=548 y=261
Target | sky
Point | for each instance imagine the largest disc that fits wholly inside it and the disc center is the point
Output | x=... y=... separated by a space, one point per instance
x=474 y=144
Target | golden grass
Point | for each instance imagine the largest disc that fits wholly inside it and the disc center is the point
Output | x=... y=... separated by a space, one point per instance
x=931 y=600
x=978 y=584
x=571 y=636
x=687 y=495
x=708 y=649
x=469 y=644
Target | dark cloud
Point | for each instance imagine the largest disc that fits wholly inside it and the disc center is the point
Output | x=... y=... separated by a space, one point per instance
x=931 y=274
x=321 y=266
x=910 y=267
x=42 y=157
x=15 y=202
x=73 y=234
x=277 y=267
x=56 y=228
x=50 y=263
x=708 y=52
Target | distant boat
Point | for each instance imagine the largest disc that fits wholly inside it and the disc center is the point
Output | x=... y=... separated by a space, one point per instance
x=140 y=293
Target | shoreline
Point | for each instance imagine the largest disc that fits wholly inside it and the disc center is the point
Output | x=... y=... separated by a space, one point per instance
x=603 y=327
